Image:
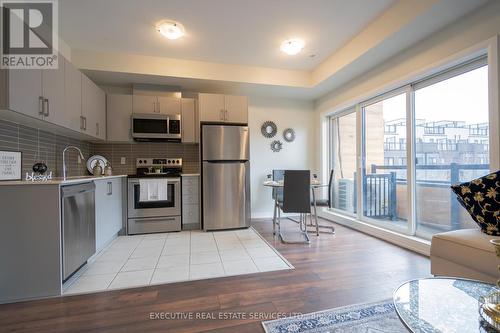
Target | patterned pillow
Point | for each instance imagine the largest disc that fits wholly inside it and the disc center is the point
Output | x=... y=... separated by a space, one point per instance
x=481 y=198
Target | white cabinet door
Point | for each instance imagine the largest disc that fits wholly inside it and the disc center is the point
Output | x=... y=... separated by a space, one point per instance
x=211 y=107
x=144 y=104
x=73 y=96
x=169 y=105
x=118 y=113
x=25 y=91
x=53 y=94
x=108 y=210
x=189 y=121
x=236 y=109
x=93 y=109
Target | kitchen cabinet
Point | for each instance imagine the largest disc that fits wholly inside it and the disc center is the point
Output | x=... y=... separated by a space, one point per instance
x=53 y=95
x=156 y=104
x=118 y=117
x=223 y=108
x=190 y=202
x=62 y=96
x=93 y=109
x=189 y=121
x=169 y=105
x=108 y=210
x=73 y=96
x=144 y=103
x=25 y=92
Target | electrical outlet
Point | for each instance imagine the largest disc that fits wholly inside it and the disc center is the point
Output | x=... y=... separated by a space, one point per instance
x=123 y=160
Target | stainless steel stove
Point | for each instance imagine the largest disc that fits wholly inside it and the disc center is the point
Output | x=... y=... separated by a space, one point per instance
x=162 y=215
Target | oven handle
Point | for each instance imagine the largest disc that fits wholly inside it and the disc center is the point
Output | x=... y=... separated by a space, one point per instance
x=136 y=182
x=150 y=219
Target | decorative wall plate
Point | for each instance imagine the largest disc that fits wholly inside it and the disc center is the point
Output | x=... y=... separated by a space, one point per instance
x=289 y=135
x=276 y=146
x=269 y=129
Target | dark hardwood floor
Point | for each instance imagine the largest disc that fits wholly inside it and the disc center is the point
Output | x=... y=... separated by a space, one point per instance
x=332 y=271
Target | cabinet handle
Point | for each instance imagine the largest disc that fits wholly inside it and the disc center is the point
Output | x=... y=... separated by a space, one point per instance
x=154 y=106
x=96 y=128
x=221 y=115
x=225 y=115
x=81 y=122
x=110 y=188
x=158 y=107
x=40 y=105
x=47 y=108
x=85 y=123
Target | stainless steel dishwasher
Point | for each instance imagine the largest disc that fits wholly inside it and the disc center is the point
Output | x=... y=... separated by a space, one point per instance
x=78 y=226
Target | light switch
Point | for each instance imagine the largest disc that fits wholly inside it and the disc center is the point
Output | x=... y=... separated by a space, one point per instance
x=123 y=160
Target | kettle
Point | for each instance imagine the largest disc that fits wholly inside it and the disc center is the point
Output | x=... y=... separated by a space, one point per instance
x=97 y=169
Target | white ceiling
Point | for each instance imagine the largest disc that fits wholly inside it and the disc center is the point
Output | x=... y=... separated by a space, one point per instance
x=243 y=32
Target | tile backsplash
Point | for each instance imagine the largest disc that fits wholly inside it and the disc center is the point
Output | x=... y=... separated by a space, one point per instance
x=41 y=146
x=114 y=152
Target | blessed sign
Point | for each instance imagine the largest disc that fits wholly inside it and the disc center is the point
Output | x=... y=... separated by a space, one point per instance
x=10 y=165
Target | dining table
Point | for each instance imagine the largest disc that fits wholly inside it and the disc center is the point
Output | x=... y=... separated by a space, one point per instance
x=315 y=184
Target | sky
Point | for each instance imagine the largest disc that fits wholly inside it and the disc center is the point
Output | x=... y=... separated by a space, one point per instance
x=461 y=98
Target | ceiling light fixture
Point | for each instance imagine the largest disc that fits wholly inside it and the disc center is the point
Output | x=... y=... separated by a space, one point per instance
x=170 y=29
x=292 y=46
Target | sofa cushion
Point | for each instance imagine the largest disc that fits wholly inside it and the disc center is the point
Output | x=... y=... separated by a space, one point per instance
x=467 y=247
x=481 y=198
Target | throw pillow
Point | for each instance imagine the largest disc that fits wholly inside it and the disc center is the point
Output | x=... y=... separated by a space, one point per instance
x=481 y=198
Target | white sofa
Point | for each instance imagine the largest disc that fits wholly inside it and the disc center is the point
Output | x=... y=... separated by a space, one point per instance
x=464 y=253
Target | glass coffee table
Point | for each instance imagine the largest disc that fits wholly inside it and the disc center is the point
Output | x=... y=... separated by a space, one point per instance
x=440 y=305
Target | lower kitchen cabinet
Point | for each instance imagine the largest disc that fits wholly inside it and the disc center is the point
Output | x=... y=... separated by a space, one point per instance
x=108 y=210
x=190 y=202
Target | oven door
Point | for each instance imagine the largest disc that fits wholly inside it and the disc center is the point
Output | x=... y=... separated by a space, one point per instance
x=139 y=209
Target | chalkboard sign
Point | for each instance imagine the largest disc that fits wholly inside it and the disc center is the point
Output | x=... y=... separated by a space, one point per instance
x=10 y=165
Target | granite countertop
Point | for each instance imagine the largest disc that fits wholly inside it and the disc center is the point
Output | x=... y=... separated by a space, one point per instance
x=59 y=180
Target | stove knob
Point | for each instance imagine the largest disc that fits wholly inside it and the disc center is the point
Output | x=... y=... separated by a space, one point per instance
x=178 y=162
x=168 y=162
x=140 y=161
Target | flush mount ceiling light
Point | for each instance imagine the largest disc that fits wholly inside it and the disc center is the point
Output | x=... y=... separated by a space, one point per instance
x=292 y=46
x=170 y=29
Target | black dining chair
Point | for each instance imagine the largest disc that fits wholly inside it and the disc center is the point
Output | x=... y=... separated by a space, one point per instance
x=323 y=203
x=296 y=199
x=277 y=194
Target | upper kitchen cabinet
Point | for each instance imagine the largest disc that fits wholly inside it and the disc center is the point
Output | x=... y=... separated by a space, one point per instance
x=236 y=109
x=211 y=107
x=73 y=97
x=156 y=104
x=119 y=112
x=93 y=109
x=189 y=121
x=145 y=104
x=24 y=93
x=53 y=95
x=169 y=105
x=223 y=108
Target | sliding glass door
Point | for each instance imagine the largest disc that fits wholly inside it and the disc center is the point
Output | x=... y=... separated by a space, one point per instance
x=451 y=146
x=416 y=142
x=384 y=161
x=343 y=161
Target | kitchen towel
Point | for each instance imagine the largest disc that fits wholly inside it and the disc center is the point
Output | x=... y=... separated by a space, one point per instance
x=153 y=189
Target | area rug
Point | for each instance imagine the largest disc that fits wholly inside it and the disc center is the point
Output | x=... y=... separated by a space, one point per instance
x=362 y=318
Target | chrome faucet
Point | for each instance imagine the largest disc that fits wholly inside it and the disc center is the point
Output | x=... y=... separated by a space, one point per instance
x=64 y=158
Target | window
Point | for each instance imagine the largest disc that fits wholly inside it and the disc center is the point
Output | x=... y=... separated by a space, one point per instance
x=343 y=152
x=460 y=102
x=408 y=190
x=384 y=184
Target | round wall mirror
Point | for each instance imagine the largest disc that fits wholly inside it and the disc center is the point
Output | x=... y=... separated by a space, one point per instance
x=289 y=135
x=268 y=129
x=276 y=146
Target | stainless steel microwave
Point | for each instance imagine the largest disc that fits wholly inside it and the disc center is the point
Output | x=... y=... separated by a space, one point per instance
x=156 y=126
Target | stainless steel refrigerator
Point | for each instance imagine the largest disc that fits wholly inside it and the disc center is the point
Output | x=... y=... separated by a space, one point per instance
x=225 y=177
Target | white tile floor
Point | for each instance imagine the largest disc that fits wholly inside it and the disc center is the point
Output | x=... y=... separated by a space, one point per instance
x=133 y=261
